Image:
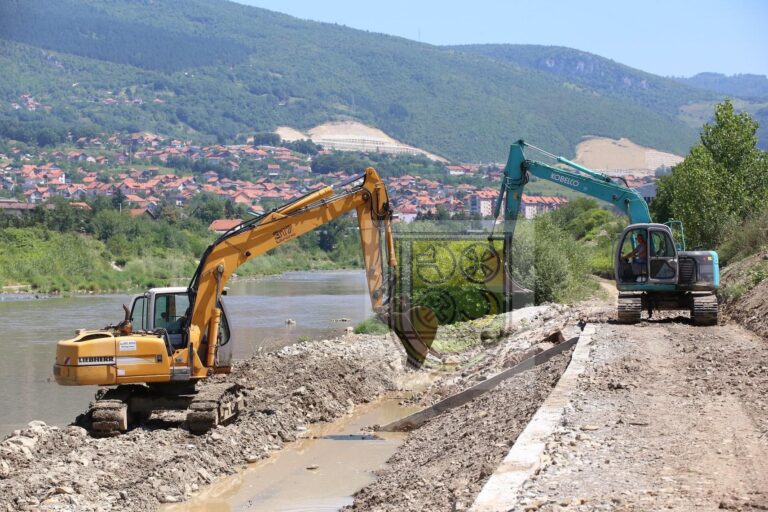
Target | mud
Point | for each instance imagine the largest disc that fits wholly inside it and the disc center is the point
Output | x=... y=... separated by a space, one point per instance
x=50 y=468
x=444 y=464
x=320 y=471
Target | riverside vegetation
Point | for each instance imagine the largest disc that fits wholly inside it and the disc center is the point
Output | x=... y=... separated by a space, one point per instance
x=74 y=250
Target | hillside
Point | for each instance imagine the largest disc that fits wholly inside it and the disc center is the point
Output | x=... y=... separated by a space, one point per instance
x=587 y=71
x=213 y=69
x=752 y=87
x=690 y=100
x=742 y=86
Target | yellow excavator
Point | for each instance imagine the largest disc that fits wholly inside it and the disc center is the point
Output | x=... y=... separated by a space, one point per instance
x=172 y=338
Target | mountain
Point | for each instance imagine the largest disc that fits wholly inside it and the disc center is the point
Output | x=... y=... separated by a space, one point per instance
x=692 y=99
x=215 y=70
x=594 y=73
x=742 y=86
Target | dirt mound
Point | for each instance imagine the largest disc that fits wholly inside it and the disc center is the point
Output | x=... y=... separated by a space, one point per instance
x=50 y=468
x=444 y=464
x=623 y=154
x=353 y=136
x=744 y=292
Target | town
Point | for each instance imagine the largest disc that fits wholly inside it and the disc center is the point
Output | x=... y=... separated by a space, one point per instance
x=144 y=170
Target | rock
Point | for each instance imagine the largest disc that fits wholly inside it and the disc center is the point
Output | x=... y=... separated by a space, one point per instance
x=170 y=498
x=489 y=335
x=5 y=469
x=590 y=428
x=63 y=490
x=23 y=441
x=36 y=423
x=205 y=475
x=76 y=431
x=349 y=330
x=313 y=467
x=451 y=360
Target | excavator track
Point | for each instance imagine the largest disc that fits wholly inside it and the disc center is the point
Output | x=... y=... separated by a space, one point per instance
x=108 y=415
x=214 y=405
x=120 y=409
x=705 y=310
x=630 y=309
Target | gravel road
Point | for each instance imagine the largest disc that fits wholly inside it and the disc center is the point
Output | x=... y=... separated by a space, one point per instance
x=667 y=416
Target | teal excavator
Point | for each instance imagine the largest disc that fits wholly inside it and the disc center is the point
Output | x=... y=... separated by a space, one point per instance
x=652 y=269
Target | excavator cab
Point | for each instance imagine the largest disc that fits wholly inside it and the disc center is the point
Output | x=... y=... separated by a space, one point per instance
x=647 y=255
x=166 y=310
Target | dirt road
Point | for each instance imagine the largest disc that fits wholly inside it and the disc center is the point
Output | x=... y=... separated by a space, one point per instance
x=667 y=416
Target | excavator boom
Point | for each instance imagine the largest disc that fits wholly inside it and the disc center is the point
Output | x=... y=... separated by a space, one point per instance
x=271 y=230
x=172 y=337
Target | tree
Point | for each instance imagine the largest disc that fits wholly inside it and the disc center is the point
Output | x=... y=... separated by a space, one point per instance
x=266 y=139
x=722 y=182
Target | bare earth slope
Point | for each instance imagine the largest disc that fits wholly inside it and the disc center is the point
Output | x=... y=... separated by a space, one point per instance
x=353 y=136
x=622 y=155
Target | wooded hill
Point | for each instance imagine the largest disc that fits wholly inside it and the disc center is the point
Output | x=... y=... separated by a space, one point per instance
x=216 y=70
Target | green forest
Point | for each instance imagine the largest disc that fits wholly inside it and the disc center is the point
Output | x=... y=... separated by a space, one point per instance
x=70 y=249
x=213 y=71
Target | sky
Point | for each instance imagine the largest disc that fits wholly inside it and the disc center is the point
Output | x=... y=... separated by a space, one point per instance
x=668 y=38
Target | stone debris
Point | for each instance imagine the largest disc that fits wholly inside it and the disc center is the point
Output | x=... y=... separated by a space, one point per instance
x=45 y=467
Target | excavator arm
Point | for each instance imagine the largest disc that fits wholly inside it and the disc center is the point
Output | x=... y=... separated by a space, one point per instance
x=364 y=193
x=594 y=184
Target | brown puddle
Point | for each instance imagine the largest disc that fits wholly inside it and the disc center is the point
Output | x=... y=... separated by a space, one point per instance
x=345 y=457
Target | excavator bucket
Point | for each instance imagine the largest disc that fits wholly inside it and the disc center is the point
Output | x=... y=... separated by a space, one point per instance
x=416 y=329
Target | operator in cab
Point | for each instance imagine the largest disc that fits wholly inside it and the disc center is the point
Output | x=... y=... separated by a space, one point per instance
x=639 y=253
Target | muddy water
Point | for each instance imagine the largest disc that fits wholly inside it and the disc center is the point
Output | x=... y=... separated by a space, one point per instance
x=258 y=309
x=342 y=454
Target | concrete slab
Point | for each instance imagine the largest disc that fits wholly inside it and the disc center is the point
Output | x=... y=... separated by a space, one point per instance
x=417 y=419
x=500 y=492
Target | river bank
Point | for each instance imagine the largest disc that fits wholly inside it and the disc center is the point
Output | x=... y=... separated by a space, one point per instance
x=131 y=254
x=50 y=468
x=258 y=311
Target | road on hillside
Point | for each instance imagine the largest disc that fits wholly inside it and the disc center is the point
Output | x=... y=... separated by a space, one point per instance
x=667 y=416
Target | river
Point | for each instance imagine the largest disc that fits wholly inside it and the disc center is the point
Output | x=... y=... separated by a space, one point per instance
x=258 y=311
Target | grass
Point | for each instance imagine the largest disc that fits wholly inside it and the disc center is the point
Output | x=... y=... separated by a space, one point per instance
x=371 y=325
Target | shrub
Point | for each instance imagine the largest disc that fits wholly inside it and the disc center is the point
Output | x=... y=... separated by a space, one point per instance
x=371 y=325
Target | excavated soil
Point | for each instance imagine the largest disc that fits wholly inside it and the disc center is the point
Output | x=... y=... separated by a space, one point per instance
x=50 y=468
x=750 y=308
x=444 y=464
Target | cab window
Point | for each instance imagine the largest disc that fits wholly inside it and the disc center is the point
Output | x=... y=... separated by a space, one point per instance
x=223 y=330
x=169 y=312
x=661 y=245
x=139 y=314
